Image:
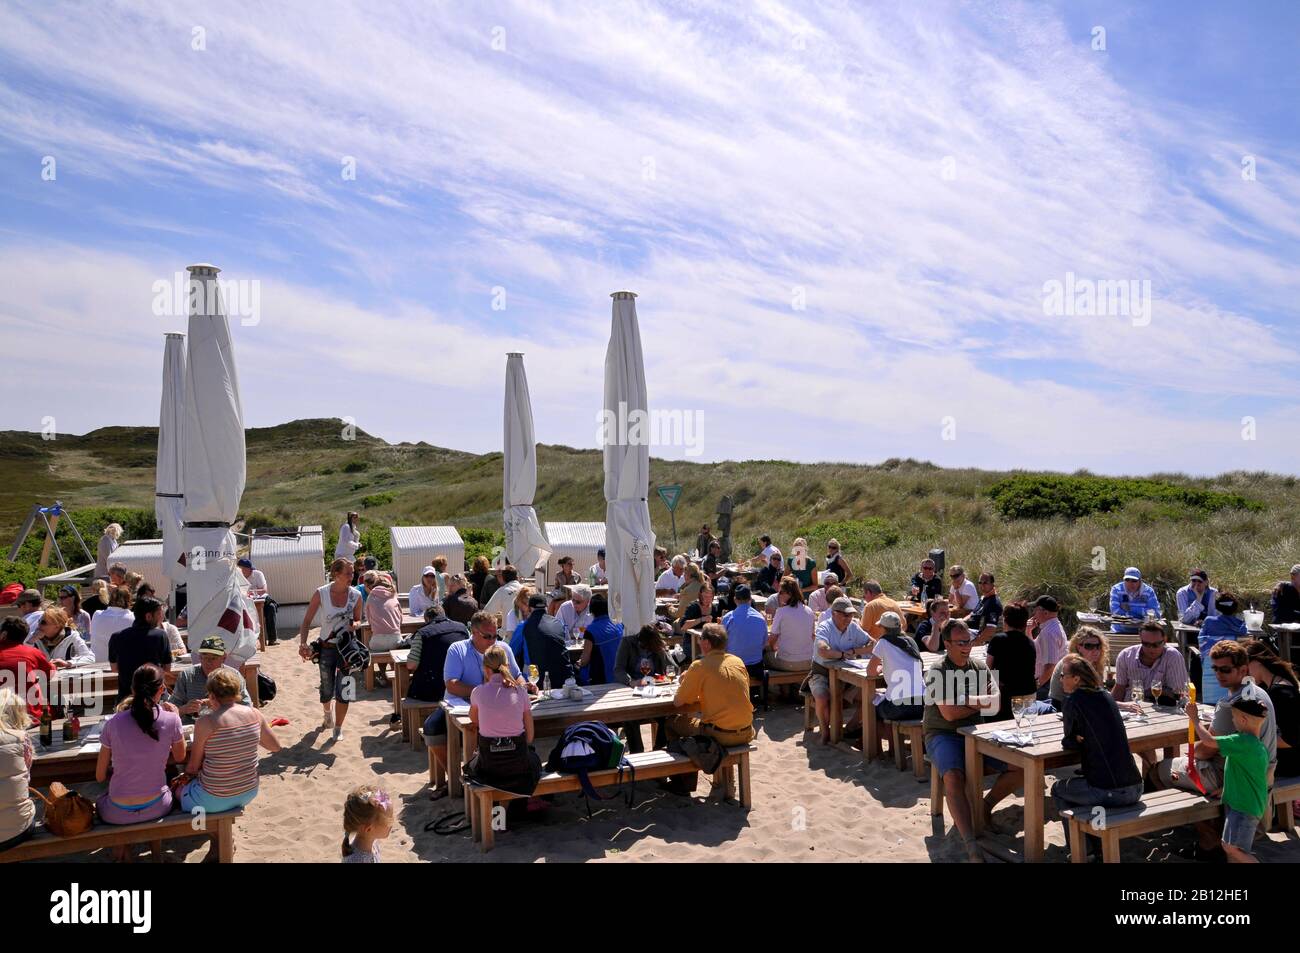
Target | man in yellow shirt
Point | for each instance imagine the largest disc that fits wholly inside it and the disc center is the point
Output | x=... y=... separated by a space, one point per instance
x=717 y=687
x=877 y=605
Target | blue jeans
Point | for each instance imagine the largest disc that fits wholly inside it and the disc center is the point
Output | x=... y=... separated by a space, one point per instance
x=193 y=795
x=1077 y=792
x=1041 y=708
x=333 y=675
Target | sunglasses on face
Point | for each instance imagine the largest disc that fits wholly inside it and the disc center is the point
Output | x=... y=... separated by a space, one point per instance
x=1224 y=669
x=1090 y=646
x=1151 y=645
x=959 y=642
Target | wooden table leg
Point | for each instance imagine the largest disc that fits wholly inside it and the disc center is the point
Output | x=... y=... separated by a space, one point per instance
x=453 y=757
x=261 y=625
x=870 y=727
x=1034 y=811
x=836 y=725
x=975 y=785
x=251 y=683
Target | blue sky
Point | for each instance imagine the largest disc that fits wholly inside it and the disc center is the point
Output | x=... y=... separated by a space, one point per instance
x=913 y=173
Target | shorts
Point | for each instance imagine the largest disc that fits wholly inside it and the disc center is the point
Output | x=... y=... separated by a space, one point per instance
x=384 y=643
x=335 y=678
x=194 y=796
x=948 y=753
x=1211 y=775
x=111 y=813
x=435 y=728
x=819 y=685
x=1239 y=829
x=908 y=710
x=778 y=664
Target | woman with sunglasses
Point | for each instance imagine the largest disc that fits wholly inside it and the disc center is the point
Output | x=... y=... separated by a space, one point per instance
x=835 y=562
x=1090 y=644
x=70 y=602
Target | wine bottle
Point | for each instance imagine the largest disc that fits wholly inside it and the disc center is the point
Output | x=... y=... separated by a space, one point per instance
x=47 y=727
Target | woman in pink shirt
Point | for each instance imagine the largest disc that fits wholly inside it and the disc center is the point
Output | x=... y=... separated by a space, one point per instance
x=384 y=613
x=501 y=712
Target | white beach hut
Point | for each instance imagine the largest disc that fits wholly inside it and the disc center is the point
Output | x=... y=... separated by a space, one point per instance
x=579 y=540
x=415 y=546
x=144 y=556
x=293 y=561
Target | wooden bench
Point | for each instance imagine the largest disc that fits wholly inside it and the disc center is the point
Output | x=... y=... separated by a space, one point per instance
x=648 y=766
x=1156 y=811
x=414 y=712
x=1285 y=792
x=775 y=676
x=175 y=826
x=915 y=736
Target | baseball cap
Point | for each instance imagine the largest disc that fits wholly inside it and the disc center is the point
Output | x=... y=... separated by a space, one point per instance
x=1199 y=574
x=245 y=563
x=843 y=604
x=537 y=601
x=371 y=563
x=557 y=595
x=29 y=595
x=1048 y=603
x=889 y=621
x=742 y=592
x=1132 y=572
x=722 y=585
x=829 y=579
x=1249 y=706
x=212 y=645
x=428 y=571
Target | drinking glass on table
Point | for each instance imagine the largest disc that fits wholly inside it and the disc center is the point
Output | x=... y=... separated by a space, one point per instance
x=1156 y=686
x=1135 y=694
x=1018 y=708
x=647 y=668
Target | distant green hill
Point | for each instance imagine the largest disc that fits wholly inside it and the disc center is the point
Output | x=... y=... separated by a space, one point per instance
x=1242 y=527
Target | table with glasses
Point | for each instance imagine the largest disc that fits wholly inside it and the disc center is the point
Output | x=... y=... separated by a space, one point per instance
x=72 y=762
x=98 y=678
x=611 y=704
x=1155 y=728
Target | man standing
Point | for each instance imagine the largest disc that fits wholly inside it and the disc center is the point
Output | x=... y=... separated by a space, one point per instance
x=142 y=642
x=1134 y=598
x=1050 y=643
x=703 y=540
x=1196 y=599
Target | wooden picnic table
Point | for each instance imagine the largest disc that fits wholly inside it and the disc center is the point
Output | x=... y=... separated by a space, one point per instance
x=72 y=762
x=401 y=680
x=1285 y=631
x=611 y=704
x=1163 y=728
x=854 y=673
x=105 y=680
x=410 y=624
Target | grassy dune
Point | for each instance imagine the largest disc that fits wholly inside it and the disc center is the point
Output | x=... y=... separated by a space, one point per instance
x=304 y=472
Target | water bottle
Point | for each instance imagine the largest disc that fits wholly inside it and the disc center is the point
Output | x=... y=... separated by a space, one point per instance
x=546 y=682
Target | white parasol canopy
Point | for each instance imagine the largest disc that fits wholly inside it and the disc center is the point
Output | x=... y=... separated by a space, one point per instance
x=214 y=468
x=629 y=540
x=526 y=542
x=169 y=499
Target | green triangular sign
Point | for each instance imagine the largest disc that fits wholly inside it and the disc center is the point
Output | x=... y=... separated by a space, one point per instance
x=670 y=495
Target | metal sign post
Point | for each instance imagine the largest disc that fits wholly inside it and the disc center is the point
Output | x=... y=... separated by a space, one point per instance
x=670 y=494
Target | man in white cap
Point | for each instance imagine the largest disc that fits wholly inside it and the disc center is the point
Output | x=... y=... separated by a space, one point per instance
x=1133 y=598
x=897 y=657
x=839 y=637
x=424 y=594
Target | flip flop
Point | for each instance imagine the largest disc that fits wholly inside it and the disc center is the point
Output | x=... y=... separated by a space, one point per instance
x=279 y=722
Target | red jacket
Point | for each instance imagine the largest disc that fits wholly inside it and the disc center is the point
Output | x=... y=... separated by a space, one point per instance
x=31 y=674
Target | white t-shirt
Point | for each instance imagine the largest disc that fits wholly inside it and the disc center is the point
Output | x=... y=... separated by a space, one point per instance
x=596 y=576
x=417 y=601
x=569 y=618
x=902 y=673
x=349 y=542
x=793 y=628
x=1051 y=645
x=104 y=625
x=670 y=581
x=503 y=600
x=967 y=597
x=33 y=620
x=257 y=580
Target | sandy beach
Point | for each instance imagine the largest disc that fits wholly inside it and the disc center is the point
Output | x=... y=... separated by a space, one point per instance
x=810 y=803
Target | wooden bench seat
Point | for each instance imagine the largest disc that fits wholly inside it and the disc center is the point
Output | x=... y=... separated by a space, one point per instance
x=648 y=766
x=175 y=826
x=1156 y=811
x=1285 y=793
x=414 y=712
x=915 y=737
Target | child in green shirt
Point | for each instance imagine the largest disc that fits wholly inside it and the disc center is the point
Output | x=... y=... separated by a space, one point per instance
x=1245 y=778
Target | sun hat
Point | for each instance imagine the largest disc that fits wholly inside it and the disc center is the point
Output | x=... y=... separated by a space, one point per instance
x=889 y=621
x=212 y=645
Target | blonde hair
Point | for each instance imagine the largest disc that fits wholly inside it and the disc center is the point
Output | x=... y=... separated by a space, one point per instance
x=120 y=597
x=100 y=588
x=1082 y=634
x=133 y=580
x=56 y=614
x=223 y=684
x=439 y=563
x=339 y=565
x=114 y=530
x=496 y=661
x=14 y=719
x=693 y=572
x=521 y=599
x=365 y=805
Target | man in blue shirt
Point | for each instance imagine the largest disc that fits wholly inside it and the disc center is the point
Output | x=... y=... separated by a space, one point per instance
x=746 y=632
x=1196 y=599
x=839 y=637
x=1132 y=597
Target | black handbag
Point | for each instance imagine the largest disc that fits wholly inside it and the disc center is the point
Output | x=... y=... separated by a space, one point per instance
x=508 y=764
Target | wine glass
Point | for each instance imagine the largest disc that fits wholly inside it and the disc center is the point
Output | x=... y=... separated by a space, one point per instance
x=1135 y=694
x=647 y=668
x=1156 y=686
x=1018 y=708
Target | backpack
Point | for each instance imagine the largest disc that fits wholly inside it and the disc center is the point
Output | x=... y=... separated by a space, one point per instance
x=265 y=687
x=355 y=655
x=592 y=746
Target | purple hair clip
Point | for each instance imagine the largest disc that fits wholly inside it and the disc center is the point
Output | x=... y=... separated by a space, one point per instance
x=381 y=798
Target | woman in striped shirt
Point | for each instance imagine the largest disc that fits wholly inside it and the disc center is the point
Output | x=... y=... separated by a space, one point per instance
x=223 y=760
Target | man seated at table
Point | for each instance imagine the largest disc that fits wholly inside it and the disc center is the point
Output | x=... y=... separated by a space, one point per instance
x=459 y=605
x=958 y=691
x=832 y=593
x=142 y=641
x=597 y=574
x=926 y=584
x=190 y=693
x=769 y=577
x=712 y=560
x=544 y=641
x=1195 y=600
x=746 y=632
x=1286 y=598
x=600 y=642
x=672 y=578
x=1134 y=598
x=29 y=604
x=1050 y=642
x=427 y=664
x=877 y=605
x=661 y=560
x=839 y=637
x=987 y=617
x=574 y=613
x=703 y=541
x=963 y=597
x=1151 y=660
x=818 y=599
x=937 y=613
x=1231 y=667
x=717 y=687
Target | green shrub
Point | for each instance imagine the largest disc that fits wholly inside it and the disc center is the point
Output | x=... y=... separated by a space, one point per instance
x=137 y=523
x=377 y=499
x=356 y=466
x=481 y=542
x=25 y=572
x=855 y=536
x=1044 y=496
x=375 y=541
